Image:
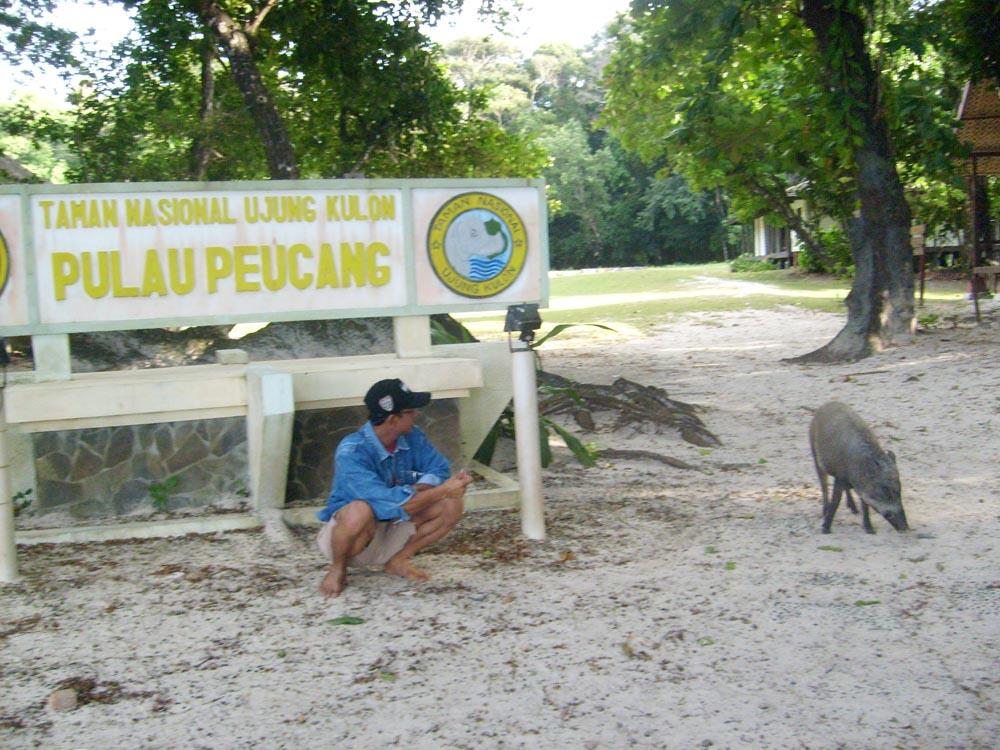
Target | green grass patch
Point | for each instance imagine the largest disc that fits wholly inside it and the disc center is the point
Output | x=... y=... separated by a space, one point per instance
x=639 y=298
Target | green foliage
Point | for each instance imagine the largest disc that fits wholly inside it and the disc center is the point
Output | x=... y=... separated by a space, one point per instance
x=556 y=330
x=22 y=500
x=838 y=259
x=749 y=263
x=456 y=333
x=33 y=133
x=159 y=492
x=606 y=208
x=25 y=36
x=360 y=90
x=968 y=30
x=452 y=333
x=732 y=95
x=504 y=426
x=585 y=454
x=345 y=620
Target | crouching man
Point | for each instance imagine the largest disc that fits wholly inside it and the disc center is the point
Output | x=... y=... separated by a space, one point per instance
x=392 y=495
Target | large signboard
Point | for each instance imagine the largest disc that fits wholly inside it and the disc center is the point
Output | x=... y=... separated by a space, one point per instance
x=93 y=257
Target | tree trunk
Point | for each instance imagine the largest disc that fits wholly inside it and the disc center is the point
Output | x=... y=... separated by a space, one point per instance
x=201 y=147
x=235 y=43
x=880 y=304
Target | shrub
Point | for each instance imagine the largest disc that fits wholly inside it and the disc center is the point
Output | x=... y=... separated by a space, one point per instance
x=748 y=263
x=838 y=261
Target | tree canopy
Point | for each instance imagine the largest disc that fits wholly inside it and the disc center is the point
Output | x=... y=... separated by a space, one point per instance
x=833 y=102
x=318 y=88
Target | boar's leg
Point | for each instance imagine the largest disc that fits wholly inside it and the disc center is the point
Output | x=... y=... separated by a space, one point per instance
x=830 y=509
x=850 y=501
x=822 y=485
x=867 y=520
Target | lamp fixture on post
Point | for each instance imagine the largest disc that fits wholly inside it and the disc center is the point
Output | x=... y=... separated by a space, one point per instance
x=523 y=318
x=526 y=320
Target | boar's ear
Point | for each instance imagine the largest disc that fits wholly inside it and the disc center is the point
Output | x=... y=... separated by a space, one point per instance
x=892 y=457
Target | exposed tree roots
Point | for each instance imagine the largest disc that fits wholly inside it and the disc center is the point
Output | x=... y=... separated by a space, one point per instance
x=646 y=455
x=633 y=403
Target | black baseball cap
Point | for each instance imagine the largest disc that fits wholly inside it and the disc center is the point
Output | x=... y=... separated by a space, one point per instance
x=392 y=396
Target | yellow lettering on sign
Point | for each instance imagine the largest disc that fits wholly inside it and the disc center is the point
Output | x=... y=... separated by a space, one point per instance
x=65 y=272
x=218 y=265
x=280 y=209
x=153 y=280
x=243 y=267
x=99 y=286
x=350 y=208
x=252 y=268
x=198 y=211
x=85 y=213
x=63 y=216
x=377 y=275
x=139 y=212
x=181 y=283
x=46 y=207
x=299 y=280
x=352 y=263
x=382 y=207
x=326 y=274
x=273 y=267
x=118 y=289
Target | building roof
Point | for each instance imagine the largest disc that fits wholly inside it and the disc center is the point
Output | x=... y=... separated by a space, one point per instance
x=12 y=170
x=979 y=113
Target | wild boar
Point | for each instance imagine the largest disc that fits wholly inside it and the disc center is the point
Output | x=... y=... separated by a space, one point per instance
x=845 y=448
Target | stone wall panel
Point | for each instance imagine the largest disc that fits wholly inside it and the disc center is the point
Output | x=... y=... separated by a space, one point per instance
x=97 y=473
x=86 y=463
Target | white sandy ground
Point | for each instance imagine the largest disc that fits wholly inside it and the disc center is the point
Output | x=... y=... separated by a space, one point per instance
x=666 y=609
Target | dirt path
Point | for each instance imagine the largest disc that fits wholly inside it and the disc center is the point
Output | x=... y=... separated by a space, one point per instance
x=667 y=608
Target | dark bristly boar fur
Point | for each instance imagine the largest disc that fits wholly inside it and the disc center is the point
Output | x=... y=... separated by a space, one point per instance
x=845 y=448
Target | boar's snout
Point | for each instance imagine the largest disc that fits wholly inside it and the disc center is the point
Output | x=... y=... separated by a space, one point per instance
x=897 y=519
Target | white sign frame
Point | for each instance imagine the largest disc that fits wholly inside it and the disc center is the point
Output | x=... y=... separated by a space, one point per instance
x=123 y=256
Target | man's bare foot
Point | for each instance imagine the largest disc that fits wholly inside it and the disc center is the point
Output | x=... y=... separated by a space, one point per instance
x=406 y=570
x=334 y=581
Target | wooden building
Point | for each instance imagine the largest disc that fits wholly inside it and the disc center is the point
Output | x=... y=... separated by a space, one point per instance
x=979 y=116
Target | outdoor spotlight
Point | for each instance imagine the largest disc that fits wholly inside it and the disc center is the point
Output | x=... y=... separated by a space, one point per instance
x=523 y=318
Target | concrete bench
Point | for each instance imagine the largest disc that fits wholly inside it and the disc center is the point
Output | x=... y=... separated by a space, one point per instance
x=781 y=258
x=267 y=394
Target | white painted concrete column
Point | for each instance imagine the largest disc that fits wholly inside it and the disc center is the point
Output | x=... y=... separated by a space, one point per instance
x=529 y=460
x=412 y=335
x=51 y=356
x=8 y=545
x=270 y=415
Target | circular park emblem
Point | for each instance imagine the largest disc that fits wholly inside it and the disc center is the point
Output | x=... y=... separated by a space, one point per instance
x=477 y=244
x=4 y=263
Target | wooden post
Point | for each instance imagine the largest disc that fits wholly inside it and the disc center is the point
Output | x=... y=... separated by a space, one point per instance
x=974 y=247
x=412 y=335
x=52 y=357
x=917 y=243
x=8 y=545
x=270 y=417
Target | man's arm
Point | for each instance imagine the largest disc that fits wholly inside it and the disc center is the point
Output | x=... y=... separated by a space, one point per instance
x=357 y=478
x=425 y=496
x=428 y=461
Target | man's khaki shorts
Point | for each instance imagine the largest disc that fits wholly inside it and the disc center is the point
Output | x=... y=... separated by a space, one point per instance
x=390 y=537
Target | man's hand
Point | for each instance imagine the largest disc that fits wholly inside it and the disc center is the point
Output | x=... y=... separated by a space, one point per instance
x=425 y=498
x=458 y=482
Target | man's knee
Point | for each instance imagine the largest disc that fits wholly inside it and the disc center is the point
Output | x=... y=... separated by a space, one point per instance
x=454 y=507
x=356 y=518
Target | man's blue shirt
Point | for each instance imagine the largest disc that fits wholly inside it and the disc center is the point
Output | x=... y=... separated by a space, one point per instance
x=365 y=470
